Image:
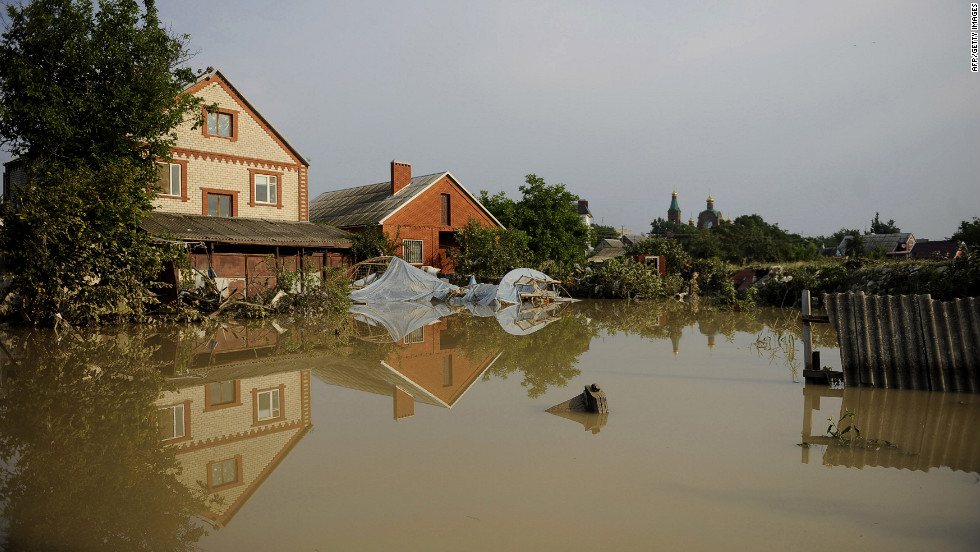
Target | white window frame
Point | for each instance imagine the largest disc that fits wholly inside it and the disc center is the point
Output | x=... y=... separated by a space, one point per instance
x=174 y=181
x=409 y=249
x=415 y=336
x=274 y=411
x=179 y=421
x=269 y=183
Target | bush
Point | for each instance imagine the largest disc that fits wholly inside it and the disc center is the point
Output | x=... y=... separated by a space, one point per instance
x=622 y=278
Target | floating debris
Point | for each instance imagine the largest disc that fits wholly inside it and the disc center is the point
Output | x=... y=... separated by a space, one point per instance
x=593 y=399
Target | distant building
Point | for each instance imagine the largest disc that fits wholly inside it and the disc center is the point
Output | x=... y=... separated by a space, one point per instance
x=583 y=211
x=710 y=216
x=894 y=245
x=927 y=249
x=674 y=211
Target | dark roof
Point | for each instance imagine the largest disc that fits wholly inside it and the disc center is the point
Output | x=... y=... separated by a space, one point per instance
x=926 y=249
x=244 y=231
x=374 y=203
x=366 y=204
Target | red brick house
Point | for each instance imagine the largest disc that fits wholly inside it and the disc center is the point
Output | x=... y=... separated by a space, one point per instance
x=424 y=212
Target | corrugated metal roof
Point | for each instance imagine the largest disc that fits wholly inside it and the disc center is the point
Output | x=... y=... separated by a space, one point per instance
x=890 y=242
x=244 y=231
x=366 y=204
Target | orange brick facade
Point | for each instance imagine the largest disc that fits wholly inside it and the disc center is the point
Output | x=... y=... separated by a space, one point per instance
x=421 y=219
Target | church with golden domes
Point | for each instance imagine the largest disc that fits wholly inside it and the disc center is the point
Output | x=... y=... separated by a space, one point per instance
x=706 y=219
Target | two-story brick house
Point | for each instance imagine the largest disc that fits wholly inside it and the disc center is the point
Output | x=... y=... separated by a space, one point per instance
x=237 y=190
x=424 y=212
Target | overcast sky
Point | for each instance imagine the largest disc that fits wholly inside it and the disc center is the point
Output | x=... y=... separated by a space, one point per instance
x=813 y=115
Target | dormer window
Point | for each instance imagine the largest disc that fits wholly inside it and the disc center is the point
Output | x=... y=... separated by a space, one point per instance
x=221 y=123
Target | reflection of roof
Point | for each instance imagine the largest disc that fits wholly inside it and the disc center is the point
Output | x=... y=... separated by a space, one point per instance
x=374 y=203
x=244 y=230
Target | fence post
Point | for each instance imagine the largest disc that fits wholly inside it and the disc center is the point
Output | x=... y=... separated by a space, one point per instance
x=807 y=337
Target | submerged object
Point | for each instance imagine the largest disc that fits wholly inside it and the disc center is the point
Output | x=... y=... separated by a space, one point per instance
x=593 y=399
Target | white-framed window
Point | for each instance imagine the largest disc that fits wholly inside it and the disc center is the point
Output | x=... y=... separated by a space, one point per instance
x=171 y=421
x=266 y=188
x=268 y=405
x=222 y=392
x=412 y=251
x=220 y=124
x=415 y=336
x=170 y=179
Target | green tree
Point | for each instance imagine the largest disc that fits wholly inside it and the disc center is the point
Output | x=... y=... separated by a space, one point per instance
x=548 y=215
x=373 y=242
x=488 y=253
x=89 y=101
x=673 y=252
x=878 y=227
x=969 y=233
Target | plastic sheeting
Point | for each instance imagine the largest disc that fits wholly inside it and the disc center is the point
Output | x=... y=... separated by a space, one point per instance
x=401 y=318
x=403 y=282
x=509 y=292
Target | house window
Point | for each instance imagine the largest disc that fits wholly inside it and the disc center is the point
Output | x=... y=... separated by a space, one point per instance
x=219 y=205
x=220 y=123
x=222 y=394
x=446 y=215
x=172 y=422
x=224 y=473
x=265 y=188
x=170 y=179
x=415 y=336
x=447 y=371
x=412 y=251
x=268 y=405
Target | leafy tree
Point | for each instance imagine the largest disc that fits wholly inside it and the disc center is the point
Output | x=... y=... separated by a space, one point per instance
x=89 y=100
x=373 y=242
x=660 y=227
x=969 y=233
x=488 y=253
x=547 y=214
x=878 y=227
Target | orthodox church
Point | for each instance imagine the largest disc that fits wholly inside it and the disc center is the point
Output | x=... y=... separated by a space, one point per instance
x=706 y=219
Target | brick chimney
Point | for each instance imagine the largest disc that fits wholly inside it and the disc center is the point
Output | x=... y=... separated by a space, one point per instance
x=401 y=176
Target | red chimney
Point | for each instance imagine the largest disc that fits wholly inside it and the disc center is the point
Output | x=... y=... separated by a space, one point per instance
x=401 y=176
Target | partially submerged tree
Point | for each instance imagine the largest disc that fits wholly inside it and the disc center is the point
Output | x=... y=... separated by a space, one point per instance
x=90 y=98
x=548 y=215
x=488 y=253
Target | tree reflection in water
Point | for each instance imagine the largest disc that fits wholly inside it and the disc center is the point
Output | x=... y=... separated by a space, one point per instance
x=83 y=467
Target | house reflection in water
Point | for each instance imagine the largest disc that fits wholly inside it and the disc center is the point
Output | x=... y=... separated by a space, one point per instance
x=243 y=393
x=426 y=364
x=913 y=430
x=237 y=412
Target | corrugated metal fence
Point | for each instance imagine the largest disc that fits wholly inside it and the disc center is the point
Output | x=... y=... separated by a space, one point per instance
x=907 y=341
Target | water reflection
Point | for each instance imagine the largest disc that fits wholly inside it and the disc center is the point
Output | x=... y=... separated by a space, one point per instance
x=81 y=464
x=913 y=430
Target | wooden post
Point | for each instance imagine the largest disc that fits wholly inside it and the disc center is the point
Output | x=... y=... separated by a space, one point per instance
x=807 y=337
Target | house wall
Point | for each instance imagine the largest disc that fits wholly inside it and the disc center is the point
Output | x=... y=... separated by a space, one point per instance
x=421 y=220
x=226 y=164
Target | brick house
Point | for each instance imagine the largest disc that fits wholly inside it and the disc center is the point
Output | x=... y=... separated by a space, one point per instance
x=237 y=190
x=424 y=212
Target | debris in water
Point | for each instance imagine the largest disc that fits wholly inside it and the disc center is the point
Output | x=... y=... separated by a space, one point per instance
x=593 y=399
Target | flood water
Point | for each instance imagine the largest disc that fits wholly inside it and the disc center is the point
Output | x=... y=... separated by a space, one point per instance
x=416 y=428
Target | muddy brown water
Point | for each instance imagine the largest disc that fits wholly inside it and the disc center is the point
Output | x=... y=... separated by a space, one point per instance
x=329 y=435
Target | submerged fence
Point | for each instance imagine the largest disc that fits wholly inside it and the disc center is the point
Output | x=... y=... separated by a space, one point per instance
x=907 y=341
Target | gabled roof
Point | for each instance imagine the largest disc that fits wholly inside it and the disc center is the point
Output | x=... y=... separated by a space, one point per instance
x=926 y=249
x=890 y=242
x=373 y=204
x=206 y=78
x=244 y=231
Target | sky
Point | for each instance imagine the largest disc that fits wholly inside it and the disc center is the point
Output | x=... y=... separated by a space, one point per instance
x=814 y=115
